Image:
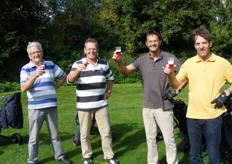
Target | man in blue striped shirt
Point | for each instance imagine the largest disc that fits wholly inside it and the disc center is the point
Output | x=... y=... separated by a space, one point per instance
x=37 y=78
x=94 y=81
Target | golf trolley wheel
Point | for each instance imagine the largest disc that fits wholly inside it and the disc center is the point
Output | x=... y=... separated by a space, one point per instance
x=159 y=136
x=16 y=139
x=76 y=139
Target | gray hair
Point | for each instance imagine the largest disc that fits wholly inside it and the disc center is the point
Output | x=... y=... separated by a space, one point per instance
x=91 y=40
x=34 y=44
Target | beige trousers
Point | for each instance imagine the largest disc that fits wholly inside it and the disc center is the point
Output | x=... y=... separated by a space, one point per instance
x=164 y=119
x=103 y=123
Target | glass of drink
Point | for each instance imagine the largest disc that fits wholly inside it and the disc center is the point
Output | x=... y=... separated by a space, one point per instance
x=42 y=65
x=118 y=50
x=171 y=63
x=84 y=61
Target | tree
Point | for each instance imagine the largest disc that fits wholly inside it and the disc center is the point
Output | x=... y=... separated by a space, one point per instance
x=174 y=19
x=73 y=22
x=62 y=27
x=221 y=28
x=20 y=22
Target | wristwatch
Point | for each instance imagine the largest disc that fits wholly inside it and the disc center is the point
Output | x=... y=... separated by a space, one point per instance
x=229 y=90
x=178 y=89
x=109 y=91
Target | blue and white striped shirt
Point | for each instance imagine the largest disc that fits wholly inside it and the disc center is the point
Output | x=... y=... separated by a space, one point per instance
x=90 y=85
x=42 y=94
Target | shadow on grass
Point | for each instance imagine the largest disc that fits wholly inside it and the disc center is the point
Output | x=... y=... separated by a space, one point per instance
x=127 y=137
x=4 y=140
x=44 y=139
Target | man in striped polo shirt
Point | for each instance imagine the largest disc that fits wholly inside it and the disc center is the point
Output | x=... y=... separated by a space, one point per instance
x=94 y=81
x=36 y=78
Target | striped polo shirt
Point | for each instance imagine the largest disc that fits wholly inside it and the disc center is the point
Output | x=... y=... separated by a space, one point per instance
x=42 y=94
x=90 y=85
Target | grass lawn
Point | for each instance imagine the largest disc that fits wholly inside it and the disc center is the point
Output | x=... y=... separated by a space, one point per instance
x=129 y=142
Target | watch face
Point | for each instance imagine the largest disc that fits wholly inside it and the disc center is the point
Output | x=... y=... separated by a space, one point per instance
x=229 y=90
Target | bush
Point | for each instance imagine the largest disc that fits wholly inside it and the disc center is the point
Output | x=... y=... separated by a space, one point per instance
x=119 y=77
x=9 y=87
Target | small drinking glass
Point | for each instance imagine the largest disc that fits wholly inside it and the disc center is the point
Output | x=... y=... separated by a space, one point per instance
x=118 y=51
x=84 y=61
x=171 y=63
x=42 y=65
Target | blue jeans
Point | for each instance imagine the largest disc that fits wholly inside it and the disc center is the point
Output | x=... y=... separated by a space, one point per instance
x=211 y=129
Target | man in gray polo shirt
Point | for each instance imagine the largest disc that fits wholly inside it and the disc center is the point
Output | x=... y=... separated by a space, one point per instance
x=156 y=111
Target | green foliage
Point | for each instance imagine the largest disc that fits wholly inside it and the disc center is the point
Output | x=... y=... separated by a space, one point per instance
x=9 y=87
x=121 y=78
x=21 y=21
x=63 y=26
x=221 y=29
x=174 y=19
x=62 y=55
x=2 y=101
x=183 y=55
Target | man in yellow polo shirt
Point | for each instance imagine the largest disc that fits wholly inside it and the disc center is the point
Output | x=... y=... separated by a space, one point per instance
x=206 y=74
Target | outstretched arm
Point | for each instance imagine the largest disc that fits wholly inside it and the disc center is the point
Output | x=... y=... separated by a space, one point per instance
x=121 y=67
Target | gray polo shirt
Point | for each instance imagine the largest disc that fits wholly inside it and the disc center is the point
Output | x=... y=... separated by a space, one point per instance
x=154 y=80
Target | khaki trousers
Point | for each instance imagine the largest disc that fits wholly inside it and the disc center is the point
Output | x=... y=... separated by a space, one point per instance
x=103 y=122
x=164 y=119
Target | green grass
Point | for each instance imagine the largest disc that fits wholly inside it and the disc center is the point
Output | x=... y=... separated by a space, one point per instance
x=129 y=142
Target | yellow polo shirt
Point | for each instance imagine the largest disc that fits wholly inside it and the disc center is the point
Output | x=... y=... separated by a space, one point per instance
x=206 y=80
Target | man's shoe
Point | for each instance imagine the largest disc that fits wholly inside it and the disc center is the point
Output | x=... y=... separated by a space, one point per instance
x=64 y=160
x=113 y=161
x=88 y=161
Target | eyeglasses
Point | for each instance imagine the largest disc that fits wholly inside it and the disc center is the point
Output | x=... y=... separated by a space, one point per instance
x=93 y=49
x=36 y=52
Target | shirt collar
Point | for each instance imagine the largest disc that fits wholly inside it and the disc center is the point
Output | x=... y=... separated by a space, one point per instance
x=160 y=57
x=31 y=65
x=211 y=59
x=97 y=60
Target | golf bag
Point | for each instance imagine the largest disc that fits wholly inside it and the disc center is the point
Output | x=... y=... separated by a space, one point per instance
x=180 y=110
x=226 y=142
x=11 y=114
x=76 y=136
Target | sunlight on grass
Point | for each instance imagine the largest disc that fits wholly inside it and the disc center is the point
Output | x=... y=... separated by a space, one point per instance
x=129 y=143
